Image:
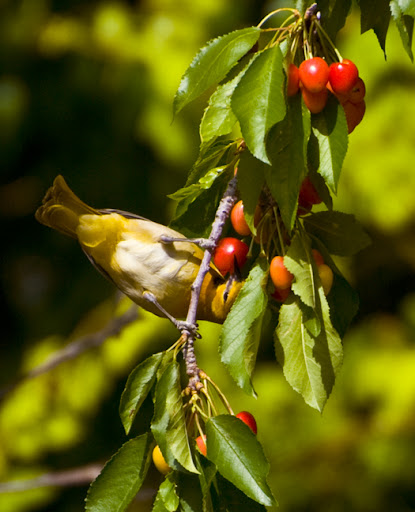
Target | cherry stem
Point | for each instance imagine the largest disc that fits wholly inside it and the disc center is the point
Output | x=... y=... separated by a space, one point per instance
x=220 y=394
x=294 y=12
x=282 y=245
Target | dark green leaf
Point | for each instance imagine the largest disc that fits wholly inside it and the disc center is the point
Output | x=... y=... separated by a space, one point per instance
x=339 y=232
x=310 y=363
x=168 y=424
x=212 y=63
x=258 y=101
x=250 y=183
x=121 y=478
x=287 y=149
x=403 y=13
x=241 y=331
x=207 y=475
x=239 y=457
x=376 y=16
x=330 y=129
x=344 y=304
x=235 y=500
x=139 y=383
x=334 y=19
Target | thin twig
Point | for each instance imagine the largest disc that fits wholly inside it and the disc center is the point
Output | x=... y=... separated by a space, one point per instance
x=77 y=347
x=222 y=213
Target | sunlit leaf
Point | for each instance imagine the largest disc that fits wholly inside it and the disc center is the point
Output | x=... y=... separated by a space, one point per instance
x=339 y=232
x=239 y=457
x=212 y=63
x=310 y=363
x=241 y=331
x=330 y=129
x=139 y=383
x=167 y=498
x=121 y=478
x=258 y=101
x=168 y=424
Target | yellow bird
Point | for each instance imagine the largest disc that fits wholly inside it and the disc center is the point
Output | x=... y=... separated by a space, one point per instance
x=127 y=249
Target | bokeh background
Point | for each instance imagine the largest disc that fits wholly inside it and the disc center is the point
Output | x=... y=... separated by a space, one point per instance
x=86 y=90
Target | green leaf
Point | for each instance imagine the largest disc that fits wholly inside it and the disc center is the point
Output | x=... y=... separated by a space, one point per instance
x=218 y=118
x=239 y=457
x=376 y=16
x=167 y=498
x=241 y=331
x=403 y=13
x=287 y=149
x=298 y=262
x=234 y=500
x=139 y=383
x=212 y=63
x=211 y=154
x=197 y=218
x=344 y=304
x=310 y=363
x=207 y=474
x=250 y=182
x=339 y=232
x=335 y=18
x=168 y=424
x=121 y=478
x=330 y=129
x=258 y=101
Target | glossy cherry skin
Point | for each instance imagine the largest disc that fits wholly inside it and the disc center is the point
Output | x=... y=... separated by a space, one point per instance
x=293 y=80
x=280 y=275
x=238 y=221
x=201 y=444
x=314 y=74
x=343 y=76
x=315 y=101
x=249 y=420
x=228 y=251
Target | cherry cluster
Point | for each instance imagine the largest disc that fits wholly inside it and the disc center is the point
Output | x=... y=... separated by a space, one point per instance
x=316 y=80
x=231 y=253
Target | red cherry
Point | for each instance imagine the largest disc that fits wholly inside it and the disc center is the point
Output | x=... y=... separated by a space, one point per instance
x=314 y=74
x=238 y=220
x=201 y=444
x=293 y=80
x=228 y=250
x=248 y=419
x=308 y=194
x=354 y=114
x=358 y=92
x=315 y=101
x=343 y=76
x=280 y=275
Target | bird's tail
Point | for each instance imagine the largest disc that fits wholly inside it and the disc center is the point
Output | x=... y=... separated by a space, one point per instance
x=61 y=208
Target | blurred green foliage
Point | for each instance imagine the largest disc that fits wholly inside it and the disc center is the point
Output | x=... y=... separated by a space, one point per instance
x=86 y=90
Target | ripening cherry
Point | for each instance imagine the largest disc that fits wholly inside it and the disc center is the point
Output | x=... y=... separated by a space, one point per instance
x=228 y=251
x=280 y=275
x=343 y=76
x=315 y=101
x=314 y=74
x=293 y=80
x=358 y=92
x=201 y=444
x=249 y=420
x=308 y=194
x=326 y=277
x=354 y=114
x=238 y=220
x=160 y=462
